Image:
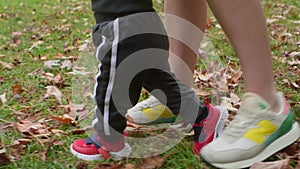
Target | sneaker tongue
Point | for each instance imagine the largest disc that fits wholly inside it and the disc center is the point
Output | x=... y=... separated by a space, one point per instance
x=253 y=102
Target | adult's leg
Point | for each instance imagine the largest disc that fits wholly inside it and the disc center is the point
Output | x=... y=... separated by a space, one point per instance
x=245 y=25
x=193 y=11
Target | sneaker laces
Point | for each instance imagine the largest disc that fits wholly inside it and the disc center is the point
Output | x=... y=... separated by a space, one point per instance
x=245 y=116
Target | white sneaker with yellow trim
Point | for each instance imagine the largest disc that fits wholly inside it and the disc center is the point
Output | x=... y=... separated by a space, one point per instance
x=253 y=135
x=151 y=111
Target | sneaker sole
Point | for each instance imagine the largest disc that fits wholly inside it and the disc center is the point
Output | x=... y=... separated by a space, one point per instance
x=96 y=156
x=84 y=156
x=274 y=147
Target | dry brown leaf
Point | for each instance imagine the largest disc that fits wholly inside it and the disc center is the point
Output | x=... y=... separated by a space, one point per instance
x=119 y=165
x=152 y=162
x=130 y=123
x=109 y=166
x=6 y=65
x=17 y=89
x=78 y=111
x=81 y=165
x=43 y=154
x=53 y=91
x=16 y=150
x=236 y=75
x=81 y=131
x=24 y=126
x=6 y=126
x=3 y=98
x=281 y=164
x=58 y=132
x=4 y=159
x=58 y=80
x=24 y=141
x=65 y=119
x=199 y=92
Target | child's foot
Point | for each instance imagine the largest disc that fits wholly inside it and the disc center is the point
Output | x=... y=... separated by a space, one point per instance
x=253 y=135
x=150 y=111
x=91 y=149
x=210 y=127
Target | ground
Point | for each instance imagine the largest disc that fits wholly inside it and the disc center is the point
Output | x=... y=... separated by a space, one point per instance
x=43 y=49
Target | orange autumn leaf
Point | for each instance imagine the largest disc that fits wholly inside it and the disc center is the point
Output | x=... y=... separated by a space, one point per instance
x=65 y=119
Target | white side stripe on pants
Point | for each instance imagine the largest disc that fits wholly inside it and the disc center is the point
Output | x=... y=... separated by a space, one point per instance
x=98 y=74
x=111 y=77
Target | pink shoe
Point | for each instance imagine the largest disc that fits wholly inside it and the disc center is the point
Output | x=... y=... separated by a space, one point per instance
x=91 y=149
x=209 y=128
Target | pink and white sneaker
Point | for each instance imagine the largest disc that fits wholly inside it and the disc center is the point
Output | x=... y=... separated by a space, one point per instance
x=91 y=149
x=209 y=128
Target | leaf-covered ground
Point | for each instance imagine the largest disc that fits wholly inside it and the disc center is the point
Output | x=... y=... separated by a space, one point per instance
x=46 y=79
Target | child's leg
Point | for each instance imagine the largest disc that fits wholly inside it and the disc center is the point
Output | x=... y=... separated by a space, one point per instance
x=130 y=47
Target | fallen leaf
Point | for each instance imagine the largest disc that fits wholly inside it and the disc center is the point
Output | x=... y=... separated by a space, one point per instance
x=200 y=92
x=109 y=166
x=81 y=165
x=65 y=119
x=79 y=111
x=58 y=132
x=293 y=54
x=16 y=150
x=6 y=126
x=17 y=89
x=66 y=64
x=81 y=131
x=50 y=63
x=152 y=162
x=24 y=126
x=6 y=65
x=280 y=164
x=3 y=98
x=43 y=154
x=234 y=98
x=24 y=141
x=236 y=75
x=130 y=123
x=15 y=33
x=53 y=91
x=4 y=159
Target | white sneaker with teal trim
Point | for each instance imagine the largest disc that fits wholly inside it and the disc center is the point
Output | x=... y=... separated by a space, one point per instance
x=253 y=135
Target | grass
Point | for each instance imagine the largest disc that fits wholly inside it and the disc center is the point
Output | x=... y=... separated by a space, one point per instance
x=60 y=25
